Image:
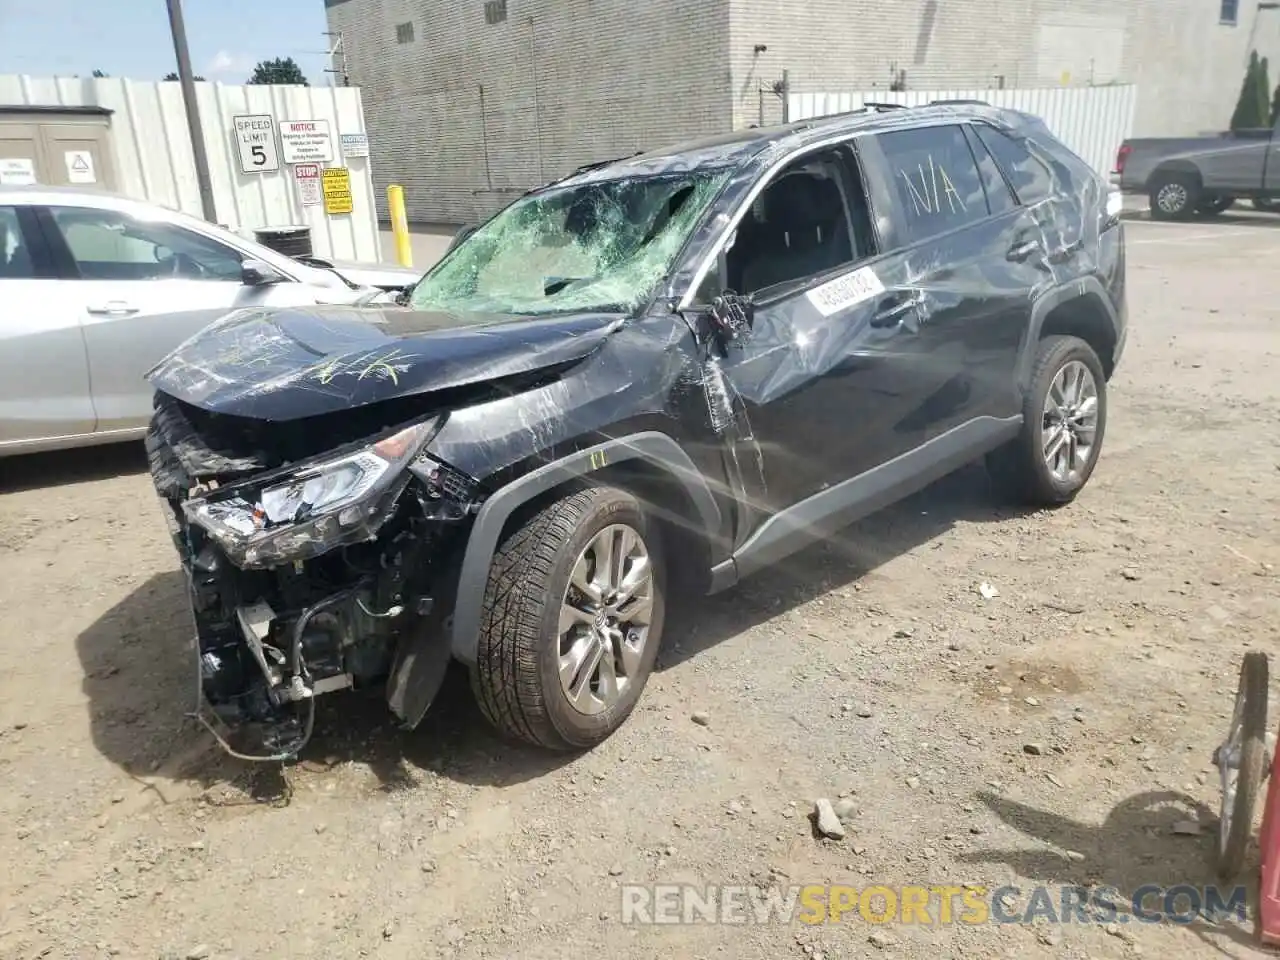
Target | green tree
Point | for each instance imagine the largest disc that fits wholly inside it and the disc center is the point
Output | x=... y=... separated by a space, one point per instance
x=1275 y=105
x=1252 y=109
x=1264 y=93
x=100 y=74
x=279 y=70
x=173 y=78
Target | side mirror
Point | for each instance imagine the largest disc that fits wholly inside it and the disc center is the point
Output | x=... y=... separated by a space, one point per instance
x=729 y=319
x=255 y=273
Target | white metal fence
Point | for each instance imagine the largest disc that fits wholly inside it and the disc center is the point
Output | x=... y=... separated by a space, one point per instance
x=153 y=160
x=1092 y=121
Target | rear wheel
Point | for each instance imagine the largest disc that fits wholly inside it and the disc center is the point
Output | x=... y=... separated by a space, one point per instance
x=1173 y=196
x=1064 y=417
x=572 y=620
x=1266 y=204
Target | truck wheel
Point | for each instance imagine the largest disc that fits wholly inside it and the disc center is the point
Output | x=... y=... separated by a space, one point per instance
x=1064 y=418
x=572 y=620
x=1266 y=204
x=1173 y=196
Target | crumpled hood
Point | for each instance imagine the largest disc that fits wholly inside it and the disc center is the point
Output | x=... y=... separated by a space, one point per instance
x=286 y=364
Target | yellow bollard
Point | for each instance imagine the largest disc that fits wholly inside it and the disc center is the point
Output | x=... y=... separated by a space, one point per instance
x=399 y=225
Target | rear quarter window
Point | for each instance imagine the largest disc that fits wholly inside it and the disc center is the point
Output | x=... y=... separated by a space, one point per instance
x=935 y=179
x=1030 y=177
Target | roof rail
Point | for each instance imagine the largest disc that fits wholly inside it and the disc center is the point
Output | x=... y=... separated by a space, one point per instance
x=976 y=103
x=874 y=105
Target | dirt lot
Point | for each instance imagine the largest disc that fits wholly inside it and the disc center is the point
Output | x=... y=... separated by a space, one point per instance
x=872 y=667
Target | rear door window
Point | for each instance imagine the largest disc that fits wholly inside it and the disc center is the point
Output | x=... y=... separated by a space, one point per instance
x=1030 y=177
x=935 y=179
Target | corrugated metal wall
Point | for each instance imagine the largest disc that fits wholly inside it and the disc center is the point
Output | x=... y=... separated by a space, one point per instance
x=1092 y=121
x=153 y=160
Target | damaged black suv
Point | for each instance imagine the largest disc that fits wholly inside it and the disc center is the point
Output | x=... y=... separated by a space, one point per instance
x=669 y=370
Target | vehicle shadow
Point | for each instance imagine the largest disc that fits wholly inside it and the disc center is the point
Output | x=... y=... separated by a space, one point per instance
x=140 y=684
x=140 y=674
x=695 y=624
x=60 y=467
x=1134 y=847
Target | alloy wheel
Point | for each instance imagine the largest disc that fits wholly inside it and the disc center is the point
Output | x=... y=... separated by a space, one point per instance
x=1172 y=197
x=604 y=619
x=1070 y=422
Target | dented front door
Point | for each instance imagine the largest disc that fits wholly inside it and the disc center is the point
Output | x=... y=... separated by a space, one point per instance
x=826 y=373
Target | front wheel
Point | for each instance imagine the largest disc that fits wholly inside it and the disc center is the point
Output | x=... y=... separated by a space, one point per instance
x=1064 y=417
x=1241 y=761
x=572 y=620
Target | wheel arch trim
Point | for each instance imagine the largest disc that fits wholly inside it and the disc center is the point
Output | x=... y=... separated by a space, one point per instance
x=653 y=447
x=1089 y=289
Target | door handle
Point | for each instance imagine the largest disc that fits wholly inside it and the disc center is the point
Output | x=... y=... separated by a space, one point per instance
x=1023 y=250
x=894 y=309
x=112 y=308
x=1065 y=253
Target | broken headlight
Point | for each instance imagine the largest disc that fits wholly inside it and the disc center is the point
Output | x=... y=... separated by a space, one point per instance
x=313 y=507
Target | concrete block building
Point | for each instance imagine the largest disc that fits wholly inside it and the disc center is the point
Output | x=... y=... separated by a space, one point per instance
x=469 y=102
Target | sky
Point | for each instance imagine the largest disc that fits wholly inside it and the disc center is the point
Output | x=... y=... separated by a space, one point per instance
x=130 y=38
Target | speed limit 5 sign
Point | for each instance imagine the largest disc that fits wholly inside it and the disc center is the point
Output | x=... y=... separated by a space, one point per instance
x=256 y=140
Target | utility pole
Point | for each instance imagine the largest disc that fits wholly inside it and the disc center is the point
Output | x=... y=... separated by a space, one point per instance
x=194 y=128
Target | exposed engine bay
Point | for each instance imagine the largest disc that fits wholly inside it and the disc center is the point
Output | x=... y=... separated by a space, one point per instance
x=309 y=571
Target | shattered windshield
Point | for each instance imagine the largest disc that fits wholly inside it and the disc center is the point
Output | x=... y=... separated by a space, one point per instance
x=597 y=246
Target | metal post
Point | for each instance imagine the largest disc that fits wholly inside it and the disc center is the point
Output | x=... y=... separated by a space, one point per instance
x=786 y=96
x=194 y=127
x=399 y=225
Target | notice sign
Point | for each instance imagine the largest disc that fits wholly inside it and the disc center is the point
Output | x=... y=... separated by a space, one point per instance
x=256 y=142
x=306 y=141
x=355 y=144
x=17 y=172
x=80 y=166
x=308 y=177
x=337 y=190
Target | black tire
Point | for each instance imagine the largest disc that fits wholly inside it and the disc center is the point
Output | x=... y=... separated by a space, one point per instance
x=1215 y=206
x=1173 y=196
x=1266 y=204
x=1251 y=711
x=516 y=677
x=1018 y=470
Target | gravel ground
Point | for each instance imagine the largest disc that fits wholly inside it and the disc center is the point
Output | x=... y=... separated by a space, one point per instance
x=1053 y=733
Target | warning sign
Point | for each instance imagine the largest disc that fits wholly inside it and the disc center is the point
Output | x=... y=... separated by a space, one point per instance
x=306 y=141
x=355 y=145
x=80 y=166
x=17 y=172
x=337 y=190
x=308 y=177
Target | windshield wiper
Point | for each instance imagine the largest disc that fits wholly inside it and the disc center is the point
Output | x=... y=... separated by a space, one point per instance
x=585 y=168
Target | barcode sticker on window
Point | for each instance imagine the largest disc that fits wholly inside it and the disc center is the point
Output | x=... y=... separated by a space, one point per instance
x=846 y=291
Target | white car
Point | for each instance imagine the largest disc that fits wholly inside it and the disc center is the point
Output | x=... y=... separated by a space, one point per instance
x=95 y=289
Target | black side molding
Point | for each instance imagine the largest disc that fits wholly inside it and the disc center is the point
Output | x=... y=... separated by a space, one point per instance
x=655 y=448
x=824 y=513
